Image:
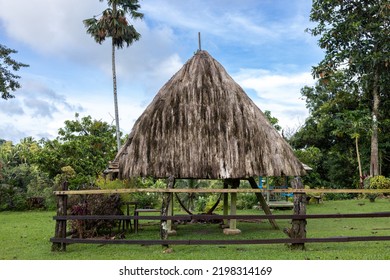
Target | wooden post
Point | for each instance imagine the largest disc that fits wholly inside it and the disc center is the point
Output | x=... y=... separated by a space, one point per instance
x=60 y=230
x=171 y=231
x=263 y=203
x=225 y=205
x=298 y=227
x=235 y=183
x=167 y=197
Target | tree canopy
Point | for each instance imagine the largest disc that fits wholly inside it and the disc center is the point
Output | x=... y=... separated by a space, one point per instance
x=355 y=37
x=8 y=67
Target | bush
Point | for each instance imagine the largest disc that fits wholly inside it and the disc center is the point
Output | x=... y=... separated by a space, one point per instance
x=211 y=201
x=200 y=203
x=146 y=200
x=20 y=183
x=379 y=182
x=246 y=201
x=376 y=183
x=95 y=205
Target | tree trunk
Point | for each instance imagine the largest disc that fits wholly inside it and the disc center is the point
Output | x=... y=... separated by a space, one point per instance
x=359 y=162
x=118 y=138
x=374 y=166
x=298 y=227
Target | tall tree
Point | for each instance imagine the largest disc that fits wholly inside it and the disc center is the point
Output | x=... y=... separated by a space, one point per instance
x=338 y=115
x=355 y=37
x=8 y=79
x=113 y=23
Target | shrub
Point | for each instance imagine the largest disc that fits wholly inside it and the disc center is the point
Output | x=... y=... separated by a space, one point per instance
x=246 y=200
x=146 y=200
x=95 y=205
x=379 y=182
x=211 y=201
x=200 y=203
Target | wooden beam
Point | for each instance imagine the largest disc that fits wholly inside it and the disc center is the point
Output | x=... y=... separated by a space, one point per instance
x=223 y=241
x=149 y=190
x=263 y=203
x=213 y=217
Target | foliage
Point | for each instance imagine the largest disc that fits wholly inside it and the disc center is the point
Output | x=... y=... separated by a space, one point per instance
x=113 y=23
x=95 y=205
x=20 y=178
x=8 y=80
x=84 y=144
x=274 y=121
x=337 y=116
x=246 y=201
x=21 y=182
x=31 y=170
x=379 y=182
x=143 y=199
x=189 y=200
x=354 y=35
x=200 y=203
x=313 y=157
x=211 y=201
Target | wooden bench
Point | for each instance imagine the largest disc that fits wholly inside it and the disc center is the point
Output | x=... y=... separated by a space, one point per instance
x=138 y=211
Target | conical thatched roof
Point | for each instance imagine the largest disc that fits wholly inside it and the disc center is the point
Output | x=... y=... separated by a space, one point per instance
x=201 y=124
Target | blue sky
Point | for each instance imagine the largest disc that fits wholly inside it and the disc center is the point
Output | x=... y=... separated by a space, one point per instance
x=261 y=43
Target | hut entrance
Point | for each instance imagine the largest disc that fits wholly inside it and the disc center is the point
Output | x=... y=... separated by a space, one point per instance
x=227 y=197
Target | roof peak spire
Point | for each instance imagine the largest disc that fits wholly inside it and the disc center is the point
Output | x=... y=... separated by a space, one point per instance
x=199 y=42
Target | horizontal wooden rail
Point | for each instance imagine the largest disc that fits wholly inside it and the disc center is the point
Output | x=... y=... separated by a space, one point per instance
x=222 y=242
x=217 y=217
x=149 y=190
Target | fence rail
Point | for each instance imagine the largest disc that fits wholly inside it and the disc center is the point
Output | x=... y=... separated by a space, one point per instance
x=217 y=217
x=222 y=241
x=218 y=241
x=60 y=240
x=288 y=190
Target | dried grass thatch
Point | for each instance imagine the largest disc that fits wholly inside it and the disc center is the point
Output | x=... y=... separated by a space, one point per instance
x=201 y=124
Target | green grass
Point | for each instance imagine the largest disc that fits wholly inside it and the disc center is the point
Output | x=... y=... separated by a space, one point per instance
x=25 y=236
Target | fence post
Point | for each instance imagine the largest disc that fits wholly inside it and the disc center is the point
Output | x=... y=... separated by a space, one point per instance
x=298 y=226
x=60 y=230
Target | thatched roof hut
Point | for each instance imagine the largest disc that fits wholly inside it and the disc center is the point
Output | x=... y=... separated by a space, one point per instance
x=202 y=125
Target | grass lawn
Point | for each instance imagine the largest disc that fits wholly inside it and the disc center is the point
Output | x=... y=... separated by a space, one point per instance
x=25 y=236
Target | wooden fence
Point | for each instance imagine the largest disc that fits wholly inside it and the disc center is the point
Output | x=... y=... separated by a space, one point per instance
x=60 y=240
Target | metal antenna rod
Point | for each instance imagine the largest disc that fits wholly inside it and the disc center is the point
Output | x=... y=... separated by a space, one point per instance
x=199 y=42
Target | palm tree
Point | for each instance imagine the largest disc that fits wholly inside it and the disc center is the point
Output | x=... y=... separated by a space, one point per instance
x=113 y=23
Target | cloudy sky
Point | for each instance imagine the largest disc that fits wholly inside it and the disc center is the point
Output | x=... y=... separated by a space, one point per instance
x=261 y=43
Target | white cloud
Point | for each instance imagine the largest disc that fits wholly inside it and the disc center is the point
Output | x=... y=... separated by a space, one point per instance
x=77 y=70
x=278 y=93
x=52 y=27
x=38 y=110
